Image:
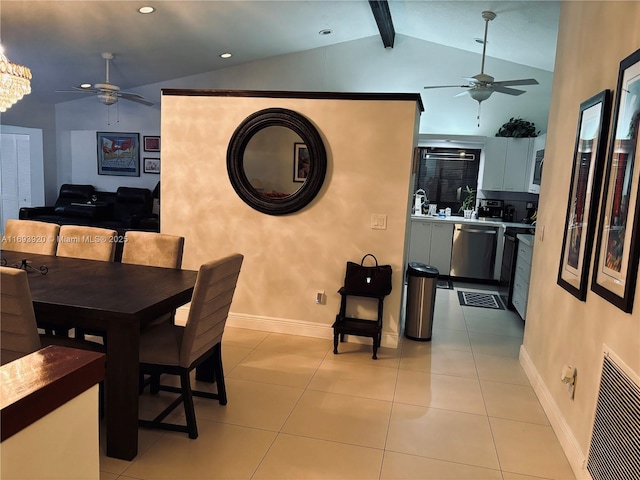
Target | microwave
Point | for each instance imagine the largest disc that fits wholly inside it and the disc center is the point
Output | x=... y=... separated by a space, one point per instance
x=536 y=172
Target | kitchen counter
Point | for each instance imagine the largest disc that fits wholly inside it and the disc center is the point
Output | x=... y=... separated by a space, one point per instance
x=526 y=239
x=477 y=221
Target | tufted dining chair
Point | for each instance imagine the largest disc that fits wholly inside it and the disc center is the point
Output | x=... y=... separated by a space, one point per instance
x=175 y=350
x=30 y=236
x=90 y=243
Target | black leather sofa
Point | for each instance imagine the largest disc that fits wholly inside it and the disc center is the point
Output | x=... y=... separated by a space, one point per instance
x=126 y=209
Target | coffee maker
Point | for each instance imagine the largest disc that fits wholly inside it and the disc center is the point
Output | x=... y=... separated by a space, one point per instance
x=490 y=208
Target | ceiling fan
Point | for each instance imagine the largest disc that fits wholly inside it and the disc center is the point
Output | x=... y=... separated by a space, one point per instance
x=481 y=86
x=107 y=92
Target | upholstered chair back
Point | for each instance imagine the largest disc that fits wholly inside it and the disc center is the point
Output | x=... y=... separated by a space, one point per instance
x=210 y=304
x=153 y=249
x=90 y=243
x=29 y=236
x=19 y=333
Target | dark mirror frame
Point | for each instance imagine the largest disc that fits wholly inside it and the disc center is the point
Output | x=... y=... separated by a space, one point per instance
x=310 y=136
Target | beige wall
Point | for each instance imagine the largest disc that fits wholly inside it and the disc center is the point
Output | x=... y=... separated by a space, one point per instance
x=288 y=258
x=594 y=37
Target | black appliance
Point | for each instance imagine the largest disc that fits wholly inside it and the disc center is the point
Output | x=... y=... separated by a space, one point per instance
x=537 y=167
x=509 y=213
x=510 y=252
x=491 y=208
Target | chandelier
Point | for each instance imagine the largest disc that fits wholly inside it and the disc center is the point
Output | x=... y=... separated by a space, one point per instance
x=14 y=82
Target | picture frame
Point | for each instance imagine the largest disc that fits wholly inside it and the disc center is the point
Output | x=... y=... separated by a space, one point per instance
x=616 y=258
x=151 y=165
x=118 y=153
x=151 y=144
x=584 y=193
x=301 y=162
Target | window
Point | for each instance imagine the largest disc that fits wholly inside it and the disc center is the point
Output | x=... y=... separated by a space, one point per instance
x=443 y=173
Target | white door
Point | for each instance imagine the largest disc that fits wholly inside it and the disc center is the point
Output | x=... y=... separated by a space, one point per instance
x=15 y=175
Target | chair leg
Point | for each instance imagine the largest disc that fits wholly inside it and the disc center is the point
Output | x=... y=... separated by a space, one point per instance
x=335 y=343
x=187 y=399
x=219 y=374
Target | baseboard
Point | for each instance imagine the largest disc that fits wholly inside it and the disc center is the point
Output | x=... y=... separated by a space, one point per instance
x=562 y=430
x=289 y=326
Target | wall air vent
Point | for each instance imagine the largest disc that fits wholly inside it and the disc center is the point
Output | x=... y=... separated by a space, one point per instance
x=614 y=453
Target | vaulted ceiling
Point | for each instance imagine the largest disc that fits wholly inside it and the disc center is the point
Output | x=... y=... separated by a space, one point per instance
x=62 y=41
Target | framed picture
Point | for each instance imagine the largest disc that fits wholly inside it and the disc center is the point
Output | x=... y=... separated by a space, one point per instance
x=118 y=154
x=151 y=144
x=582 y=208
x=616 y=263
x=301 y=162
x=151 y=165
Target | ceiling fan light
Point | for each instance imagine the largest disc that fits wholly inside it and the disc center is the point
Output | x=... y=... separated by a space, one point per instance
x=480 y=94
x=107 y=98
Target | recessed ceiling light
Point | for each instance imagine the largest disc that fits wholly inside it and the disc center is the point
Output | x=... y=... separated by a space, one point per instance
x=225 y=55
x=85 y=85
x=145 y=10
x=325 y=31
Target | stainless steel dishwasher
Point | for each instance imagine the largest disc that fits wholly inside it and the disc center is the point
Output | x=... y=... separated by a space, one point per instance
x=474 y=251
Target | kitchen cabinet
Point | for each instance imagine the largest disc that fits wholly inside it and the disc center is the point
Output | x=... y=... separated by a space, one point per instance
x=430 y=244
x=506 y=164
x=522 y=274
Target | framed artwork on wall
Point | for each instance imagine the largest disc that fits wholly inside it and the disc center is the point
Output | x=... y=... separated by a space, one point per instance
x=151 y=165
x=118 y=154
x=301 y=162
x=151 y=144
x=616 y=263
x=582 y=206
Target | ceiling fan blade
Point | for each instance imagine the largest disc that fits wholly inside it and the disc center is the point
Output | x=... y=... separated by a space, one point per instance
x=78 y=90
x=135 y=97
x=524 y=81
x=508 y=91
x=449 y=86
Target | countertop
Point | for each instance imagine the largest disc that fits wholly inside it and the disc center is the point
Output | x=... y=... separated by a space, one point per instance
x=526 y=239
x=472 y=221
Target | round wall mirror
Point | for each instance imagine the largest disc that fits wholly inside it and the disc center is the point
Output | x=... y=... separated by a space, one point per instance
x=276 y=161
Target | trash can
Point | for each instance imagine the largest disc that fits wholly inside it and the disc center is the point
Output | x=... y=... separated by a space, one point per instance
x=421 y=301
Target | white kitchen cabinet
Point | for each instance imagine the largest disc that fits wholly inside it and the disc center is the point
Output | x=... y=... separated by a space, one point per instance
x=506 y=164
x=431 y=244
x=441 y=242
x=420 y=244
x=495 y=157
x=516 y=168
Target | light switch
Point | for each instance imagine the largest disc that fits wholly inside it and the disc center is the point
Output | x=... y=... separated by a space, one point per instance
x=378 y=221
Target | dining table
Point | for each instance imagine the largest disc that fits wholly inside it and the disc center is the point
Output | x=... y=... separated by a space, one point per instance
x=117 y=300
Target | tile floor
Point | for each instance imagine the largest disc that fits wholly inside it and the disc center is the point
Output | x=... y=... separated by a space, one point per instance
x=458 y=407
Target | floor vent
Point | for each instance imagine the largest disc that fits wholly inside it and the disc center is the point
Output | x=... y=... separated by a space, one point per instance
x=477 y=299
x=614 y=453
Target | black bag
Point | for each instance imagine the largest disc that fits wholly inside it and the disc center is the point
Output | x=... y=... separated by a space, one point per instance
x=367 y=280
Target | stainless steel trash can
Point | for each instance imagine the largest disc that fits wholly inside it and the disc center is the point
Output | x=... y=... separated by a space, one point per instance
x=421 y=301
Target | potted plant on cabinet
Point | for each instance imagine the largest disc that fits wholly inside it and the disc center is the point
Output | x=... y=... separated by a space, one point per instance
x=469 y=202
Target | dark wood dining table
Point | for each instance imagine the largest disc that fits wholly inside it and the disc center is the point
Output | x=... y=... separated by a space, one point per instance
x=117 y=299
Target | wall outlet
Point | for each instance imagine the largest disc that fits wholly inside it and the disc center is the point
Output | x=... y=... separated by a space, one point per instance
x=320 y=297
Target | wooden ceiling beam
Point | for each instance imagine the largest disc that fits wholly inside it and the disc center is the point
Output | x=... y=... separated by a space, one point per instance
x=382 y=14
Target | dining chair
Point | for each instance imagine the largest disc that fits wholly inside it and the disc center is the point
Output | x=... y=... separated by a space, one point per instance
x=175 y=350
x=90 y=243
x=18 y=328
x=153 y=249
x=30 y=236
